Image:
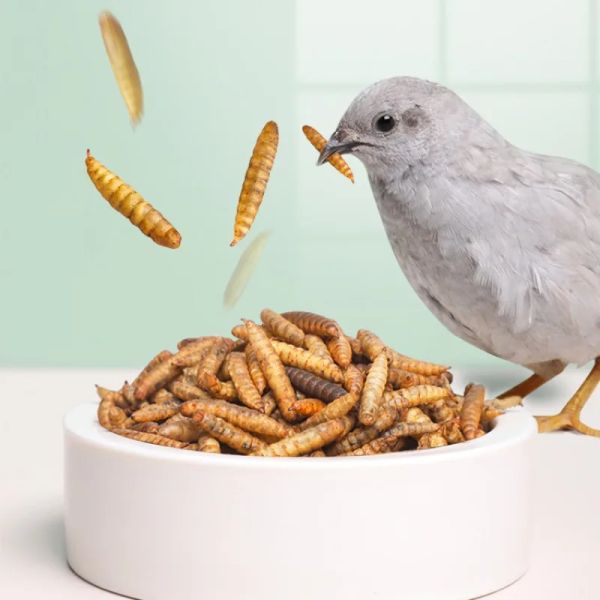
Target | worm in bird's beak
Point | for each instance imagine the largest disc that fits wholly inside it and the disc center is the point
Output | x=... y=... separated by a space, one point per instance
x=335 y=146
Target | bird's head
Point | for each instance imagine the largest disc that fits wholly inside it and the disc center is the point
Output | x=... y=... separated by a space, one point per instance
x=400 y=122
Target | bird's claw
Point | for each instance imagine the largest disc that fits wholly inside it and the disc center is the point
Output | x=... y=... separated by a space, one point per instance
x=564 y=420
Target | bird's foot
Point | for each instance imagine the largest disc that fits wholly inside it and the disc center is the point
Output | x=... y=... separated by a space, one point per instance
x=569 y=416
x=566 y=419
x=505 y=402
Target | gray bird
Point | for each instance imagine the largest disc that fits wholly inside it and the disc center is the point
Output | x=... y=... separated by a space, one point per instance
x=501 y=244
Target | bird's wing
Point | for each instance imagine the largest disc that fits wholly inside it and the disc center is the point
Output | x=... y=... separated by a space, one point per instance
x=538 y=247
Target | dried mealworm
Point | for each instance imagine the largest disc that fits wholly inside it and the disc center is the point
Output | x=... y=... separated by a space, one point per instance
x=229 y=434
x=109 y=415
x=215 y=357
x=380 y=445
x=452 y=432
x=258 y=377
x=427 y=434
x=362 y=435
x=187 y=391
x=442 y=380
x=317 y=454
x=154 y=361
x=246 y=418
x=162 y=396
x=412 y=428
x=146 y=427
x=281 y=328
x=302 y=359
x=340 y=407
x=372 y=393
x=455 y=403
x=432 y=440
x=315 y=345
x=161 y=357
x=308 y=407
x=156 y=378
x=155 y=412
x=349 y=423
x=194 y=340
x=212 y=362
x=308 y=440
x=123 y=65
x=183 y=430
x=255 y=181
x=355 y=345
x=239 y=331
x=189 y=375
x=244 y=269
x=371 y=345
x=335 y=160
x=470 y=414
x=224 y=374
x=415 y=396
x=406 y=363
x=441 y=412
x=149 y=438
x=313 y=323
x=189 y=340
x=220 y=389
x=354 y=380
x=314 y=386
x=269 y=404
x=115 y=397
x=193 y=353
x=206 y=443
x=273 y=369
x=340 y=350
x=176 y=417
x=240 y=375
x=404 y=379
x=130 y=204
x=126 y=392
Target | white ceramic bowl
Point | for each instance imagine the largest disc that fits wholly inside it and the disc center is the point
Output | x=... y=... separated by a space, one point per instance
x=161 y=523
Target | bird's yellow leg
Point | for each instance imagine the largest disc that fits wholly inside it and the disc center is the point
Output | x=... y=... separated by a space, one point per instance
x=542 y=373
x=524 y=388
x=568 y=417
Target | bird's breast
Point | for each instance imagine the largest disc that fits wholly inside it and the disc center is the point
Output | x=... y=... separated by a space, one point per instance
x=431 y=250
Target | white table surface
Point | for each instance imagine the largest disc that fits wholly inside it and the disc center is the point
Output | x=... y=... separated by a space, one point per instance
x=566 y=549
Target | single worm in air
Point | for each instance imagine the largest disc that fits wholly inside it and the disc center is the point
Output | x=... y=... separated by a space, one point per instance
x=123 y=65
x=130 y=204
x=255 y=181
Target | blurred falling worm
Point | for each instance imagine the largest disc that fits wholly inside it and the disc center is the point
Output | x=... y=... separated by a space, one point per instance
x=123 y=65
x=244 y=269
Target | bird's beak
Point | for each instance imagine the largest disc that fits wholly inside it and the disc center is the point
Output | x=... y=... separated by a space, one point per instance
x=334 y=146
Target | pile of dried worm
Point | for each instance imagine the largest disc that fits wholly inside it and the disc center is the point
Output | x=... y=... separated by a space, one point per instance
x=295 y=386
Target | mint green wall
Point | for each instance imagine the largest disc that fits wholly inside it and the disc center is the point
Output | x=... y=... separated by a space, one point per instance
x=81 y=287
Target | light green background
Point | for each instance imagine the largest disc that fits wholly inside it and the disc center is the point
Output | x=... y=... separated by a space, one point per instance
x=80 y=286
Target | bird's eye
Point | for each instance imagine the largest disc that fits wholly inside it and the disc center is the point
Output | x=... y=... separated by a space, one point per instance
x=385 y=123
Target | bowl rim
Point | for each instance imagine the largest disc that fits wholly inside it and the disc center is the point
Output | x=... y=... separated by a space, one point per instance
x=516 y=426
